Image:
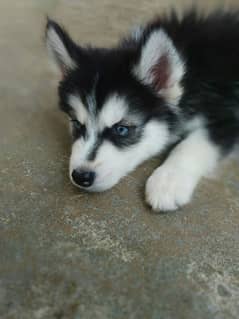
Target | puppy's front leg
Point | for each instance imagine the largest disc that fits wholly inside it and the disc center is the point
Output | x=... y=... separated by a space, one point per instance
x=172 y=184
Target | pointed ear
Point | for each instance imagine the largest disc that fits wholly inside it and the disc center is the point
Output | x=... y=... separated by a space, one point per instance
x=160 y=66
x=61 y=47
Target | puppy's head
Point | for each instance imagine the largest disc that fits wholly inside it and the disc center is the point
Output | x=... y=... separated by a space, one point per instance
x=121 y=102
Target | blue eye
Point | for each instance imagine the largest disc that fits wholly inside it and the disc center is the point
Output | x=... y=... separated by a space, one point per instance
x=121 y=130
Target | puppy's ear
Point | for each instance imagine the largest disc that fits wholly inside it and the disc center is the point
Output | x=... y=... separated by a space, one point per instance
x=61 y=47
x=160 y=66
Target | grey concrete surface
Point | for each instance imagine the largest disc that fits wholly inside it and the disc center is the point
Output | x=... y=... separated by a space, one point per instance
x=70 y=255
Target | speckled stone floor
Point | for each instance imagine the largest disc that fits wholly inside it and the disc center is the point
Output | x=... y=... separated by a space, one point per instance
x=70 y=255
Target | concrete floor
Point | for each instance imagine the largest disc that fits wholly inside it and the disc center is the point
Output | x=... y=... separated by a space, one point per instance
x=69 y=255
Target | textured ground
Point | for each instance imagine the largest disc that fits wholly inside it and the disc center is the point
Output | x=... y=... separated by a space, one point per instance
x=69 y=255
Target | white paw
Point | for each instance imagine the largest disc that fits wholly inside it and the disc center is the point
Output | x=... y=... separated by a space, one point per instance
x=169 y=188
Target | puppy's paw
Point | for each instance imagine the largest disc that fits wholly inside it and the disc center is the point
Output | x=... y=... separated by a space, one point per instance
x=169 y=188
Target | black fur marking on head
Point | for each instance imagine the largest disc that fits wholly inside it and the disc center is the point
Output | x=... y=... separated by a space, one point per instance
x=96 y=146
x=78 y=130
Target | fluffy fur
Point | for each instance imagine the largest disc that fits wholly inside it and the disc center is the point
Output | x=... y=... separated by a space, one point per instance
x=171 y=82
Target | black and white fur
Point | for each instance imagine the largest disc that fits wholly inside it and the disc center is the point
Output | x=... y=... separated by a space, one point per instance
x=173 y=82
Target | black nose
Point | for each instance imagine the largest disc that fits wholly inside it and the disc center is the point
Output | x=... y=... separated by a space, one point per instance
x=83 y=178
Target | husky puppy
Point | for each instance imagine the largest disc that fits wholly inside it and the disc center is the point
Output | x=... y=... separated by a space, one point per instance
x=171 y=83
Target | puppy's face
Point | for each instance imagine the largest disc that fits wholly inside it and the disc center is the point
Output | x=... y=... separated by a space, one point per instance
x=120 y=102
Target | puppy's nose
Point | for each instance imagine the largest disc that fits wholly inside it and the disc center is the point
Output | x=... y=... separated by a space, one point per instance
x=83 y=178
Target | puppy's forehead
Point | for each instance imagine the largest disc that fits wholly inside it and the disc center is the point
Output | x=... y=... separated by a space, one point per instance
x=113 y=111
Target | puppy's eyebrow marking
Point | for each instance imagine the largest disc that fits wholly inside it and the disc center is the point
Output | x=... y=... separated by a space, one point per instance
x=81 y=113
x=113 y=111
